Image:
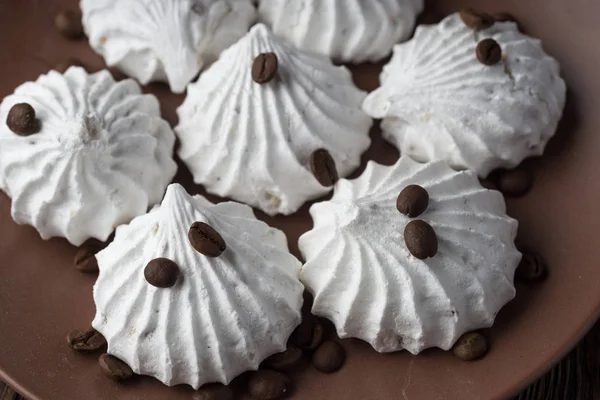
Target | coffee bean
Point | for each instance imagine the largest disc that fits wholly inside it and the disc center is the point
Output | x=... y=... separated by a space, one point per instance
x=115 y=368
x=514 y=183
x=489 y=52
x=62 y=67
x=323 y=167
x=85 y=258
x=412 y=201
x=302 y=335
x=531 y=268
x=206 y=240
x=470 y=346
x=161 y=272
x=286 y=360
x=504 y=17
x=68 y=23
x=213 y=391
x=264 y=67
x=86 y=340
x=318 y=334
x=329 y=357
x=21 y=120
x=488 y=184
x=420 y=239
x=266 y=384
x=476 y=20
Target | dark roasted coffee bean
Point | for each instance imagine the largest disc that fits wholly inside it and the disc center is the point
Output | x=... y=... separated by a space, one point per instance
x=531 y=268
x=85 y=258
x=264 y=67
x=318 y=335
x=476 y=20
x=266 y=384
x=302 y=335
x=323 y=167
x=86 y=340
x=285 y=361
x=329 y=357
x=514 y=183
x=21 y=120
x=420 y=239
x=489 y=52
x=206 y=240
x=488 y=184
x=161 y=272
x=68 y=23
x=115 y=368
x=213 y=391
x=470 y=346
x=412 y=201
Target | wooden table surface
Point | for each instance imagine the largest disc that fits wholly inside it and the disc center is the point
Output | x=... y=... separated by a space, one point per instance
x=576 y=377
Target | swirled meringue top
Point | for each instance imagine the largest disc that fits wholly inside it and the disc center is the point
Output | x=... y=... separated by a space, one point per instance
x=347 y=31
x=438 y=102
x=164 y=40
x=366 y=281
x=252 y=142
x=103 y=155
x=222 y=317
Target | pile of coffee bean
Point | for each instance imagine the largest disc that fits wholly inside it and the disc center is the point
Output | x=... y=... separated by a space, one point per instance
x=307 y=342
x=90 y=340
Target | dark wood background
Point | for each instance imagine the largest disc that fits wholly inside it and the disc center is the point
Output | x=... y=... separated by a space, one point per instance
x=576 y=377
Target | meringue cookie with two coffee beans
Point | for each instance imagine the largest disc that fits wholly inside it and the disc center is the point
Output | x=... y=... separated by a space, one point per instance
x=81 y=154
x=165 y=40
x=264 y=117
x=474 y=93
x=410 y=256
x=347 y=31
x=195 y=292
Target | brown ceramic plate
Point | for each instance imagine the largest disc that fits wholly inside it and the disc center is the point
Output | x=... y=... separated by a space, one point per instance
x=42 y=297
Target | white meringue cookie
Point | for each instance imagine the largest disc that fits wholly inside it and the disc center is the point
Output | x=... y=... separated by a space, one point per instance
x=366 y=281
x=252 y=142
x=345 y=30
x=164 y=40
x=438 y=102
x=103 y=155
x=222 y=317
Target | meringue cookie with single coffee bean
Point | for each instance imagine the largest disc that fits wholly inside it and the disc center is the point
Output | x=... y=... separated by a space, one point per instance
x=272 y=126
x=165 y=40
x=372 y=286
x=84 y=154
x=480 y=99
x=348 y=31
x=204 y=317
